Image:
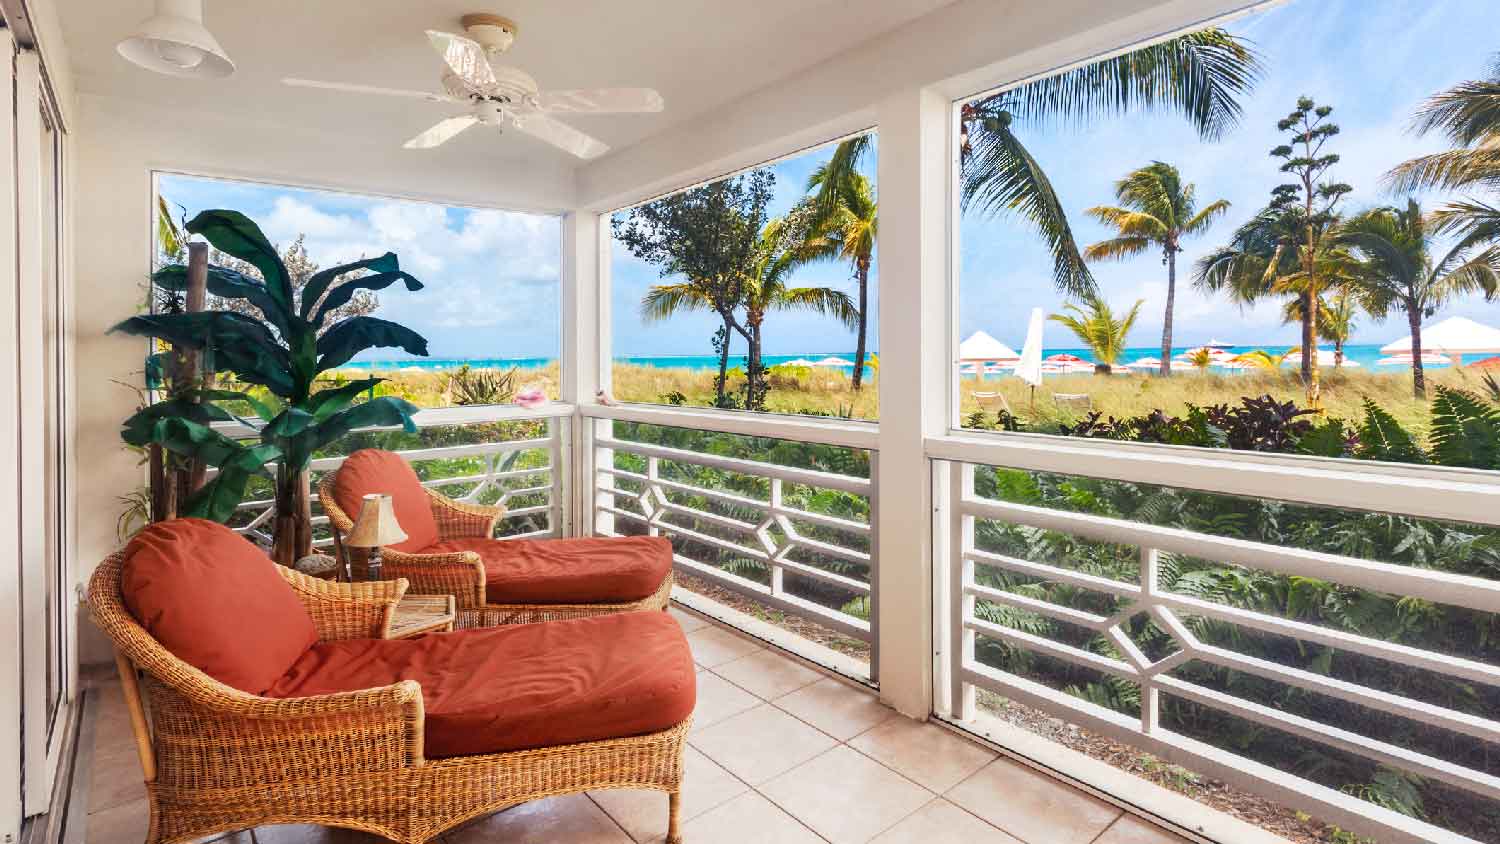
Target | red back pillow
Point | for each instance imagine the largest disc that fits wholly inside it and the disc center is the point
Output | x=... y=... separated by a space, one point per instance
x=216 y=602
x=371 y=470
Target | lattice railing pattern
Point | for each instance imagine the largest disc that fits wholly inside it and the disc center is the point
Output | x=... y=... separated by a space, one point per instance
x=1168 y=609
x=534 y=495
x=775 y=538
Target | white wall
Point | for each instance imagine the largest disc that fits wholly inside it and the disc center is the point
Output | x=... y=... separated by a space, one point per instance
x=117 y=146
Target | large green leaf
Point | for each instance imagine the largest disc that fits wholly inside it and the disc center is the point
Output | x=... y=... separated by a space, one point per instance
x=378 y=412
x=218 y=498
x=229 y=284
x=325 y=403
x=349 y=337
x=1465 y=430
x=238 y=343
x=183 y=436
x=1381 y=437
x=320 y=281
x=140 y=429
x=238 y=235
x=339 y=296
x=287 y=424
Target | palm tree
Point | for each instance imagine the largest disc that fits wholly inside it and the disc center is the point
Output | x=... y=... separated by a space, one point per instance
x=1398 y=270
x=1335 y=319
x=1156 y=210
x=782 y=249
x=1199 y=75
x=663 y=301
x=1469 y=114
x=1096 y=326
x=843 y=226
x=1201 y=359
x=1262 y=359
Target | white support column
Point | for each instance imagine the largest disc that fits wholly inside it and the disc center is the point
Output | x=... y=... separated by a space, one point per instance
x=914 y=363
x=585 y=348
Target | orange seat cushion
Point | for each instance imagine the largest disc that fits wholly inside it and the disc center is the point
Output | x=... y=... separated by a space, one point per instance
x=216 y=602
x=593 y=570
x=495 y=689
x=373 y=470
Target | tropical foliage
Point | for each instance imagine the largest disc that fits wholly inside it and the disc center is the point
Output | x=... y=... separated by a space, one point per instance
x=1095 y=324
x=1156 y=211
x=277 y=362
x=1399 y=271
x=1200 y=75
x=843 y=225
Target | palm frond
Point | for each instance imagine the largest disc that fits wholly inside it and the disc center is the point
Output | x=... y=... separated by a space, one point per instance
x=1205 y=218
x=1117 y=248
x=663 y=301
x=999 y=175
x=1448 y=170
x=1129 y=223
x=820 y=300
x=1201 y=75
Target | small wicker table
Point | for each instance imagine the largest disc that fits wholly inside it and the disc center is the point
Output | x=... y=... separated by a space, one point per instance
x=418 y=614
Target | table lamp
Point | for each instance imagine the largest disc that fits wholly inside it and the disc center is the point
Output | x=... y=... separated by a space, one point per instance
x=375 y=527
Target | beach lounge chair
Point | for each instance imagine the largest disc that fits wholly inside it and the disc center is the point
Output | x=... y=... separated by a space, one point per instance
x=1074 y=401
x=451 y=550
x=270 y=698
x=992 y=401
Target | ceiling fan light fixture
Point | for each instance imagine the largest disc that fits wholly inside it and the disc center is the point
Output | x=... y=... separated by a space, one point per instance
x=175 y=42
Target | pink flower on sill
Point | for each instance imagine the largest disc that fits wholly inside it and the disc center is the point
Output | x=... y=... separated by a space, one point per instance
x=531 y=397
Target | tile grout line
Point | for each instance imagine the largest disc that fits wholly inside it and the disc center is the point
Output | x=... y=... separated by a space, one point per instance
x=612 y=819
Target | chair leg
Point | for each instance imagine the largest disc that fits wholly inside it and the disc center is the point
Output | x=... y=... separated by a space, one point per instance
x=674 y=818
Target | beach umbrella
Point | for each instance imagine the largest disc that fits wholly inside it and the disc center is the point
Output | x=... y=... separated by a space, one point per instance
x=1428 y=359
x=1145 y=363
x=1029 y=368
x=1487 y=363
x=798 y=362
x=1454 y=336
x=1324 y=357
x=982 y=348
x=833 y=361
x=1064 y=358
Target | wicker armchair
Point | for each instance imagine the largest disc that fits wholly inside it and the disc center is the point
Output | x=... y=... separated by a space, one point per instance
x=461 y=574
x=217 y=759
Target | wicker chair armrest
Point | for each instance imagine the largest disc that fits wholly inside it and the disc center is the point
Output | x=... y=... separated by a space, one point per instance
x=347 y=610
x=456 y=519
x=460 y=574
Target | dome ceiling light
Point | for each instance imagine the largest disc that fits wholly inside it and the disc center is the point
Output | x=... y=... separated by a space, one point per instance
x=175 y=42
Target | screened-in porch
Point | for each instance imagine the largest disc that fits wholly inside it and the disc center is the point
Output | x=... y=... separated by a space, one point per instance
x=850 y=314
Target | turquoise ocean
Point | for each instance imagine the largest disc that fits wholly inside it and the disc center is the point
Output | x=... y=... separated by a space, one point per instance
x=1363 y=355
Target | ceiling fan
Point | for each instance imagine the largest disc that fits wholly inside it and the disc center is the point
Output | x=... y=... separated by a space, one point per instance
x=499 y=96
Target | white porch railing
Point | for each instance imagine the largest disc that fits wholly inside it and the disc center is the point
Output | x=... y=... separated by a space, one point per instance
x=1166 y=609
x=775 y=537
x=535 y=495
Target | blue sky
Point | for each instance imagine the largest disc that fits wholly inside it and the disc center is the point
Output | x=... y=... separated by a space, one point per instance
x=492 y=275
x=1374 y=61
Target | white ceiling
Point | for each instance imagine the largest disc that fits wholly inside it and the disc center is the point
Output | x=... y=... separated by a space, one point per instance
x=698 y=53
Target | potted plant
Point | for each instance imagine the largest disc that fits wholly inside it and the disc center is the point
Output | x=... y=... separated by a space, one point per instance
x=284 y=354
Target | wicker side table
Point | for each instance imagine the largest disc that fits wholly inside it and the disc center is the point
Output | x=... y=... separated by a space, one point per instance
x=418 y=614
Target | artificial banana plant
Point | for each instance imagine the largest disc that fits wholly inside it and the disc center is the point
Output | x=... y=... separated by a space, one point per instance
x=285 y=353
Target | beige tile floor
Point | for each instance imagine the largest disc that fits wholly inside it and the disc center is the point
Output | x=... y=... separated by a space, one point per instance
x=779 y=754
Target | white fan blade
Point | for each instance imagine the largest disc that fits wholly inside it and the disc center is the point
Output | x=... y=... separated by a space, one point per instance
x=441 y=132
x=601 y=100
x=562 y=135
x=464 y=56
x=369 y=89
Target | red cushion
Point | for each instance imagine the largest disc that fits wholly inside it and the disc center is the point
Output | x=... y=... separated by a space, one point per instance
x=608 y=570
x=372 y=470
x=523 y=686
x=216 y=602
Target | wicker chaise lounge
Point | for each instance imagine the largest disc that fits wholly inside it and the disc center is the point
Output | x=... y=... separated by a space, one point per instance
x=316 y=745
x=451 y=550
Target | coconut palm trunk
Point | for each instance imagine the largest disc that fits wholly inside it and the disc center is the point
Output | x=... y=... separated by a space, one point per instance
x=1418 y=378
x=1166 y=322
x=864 y=320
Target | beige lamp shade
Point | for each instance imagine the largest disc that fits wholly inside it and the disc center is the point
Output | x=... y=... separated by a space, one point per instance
x=376 y=525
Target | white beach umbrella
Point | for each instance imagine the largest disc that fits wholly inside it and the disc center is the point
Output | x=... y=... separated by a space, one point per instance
x=982 y=348
x=1454 y=336
x=833 y=361
x=1428 y=359
x=1029 y=369
x=1145 y=363
x=1324 y=357
x=798 y=362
